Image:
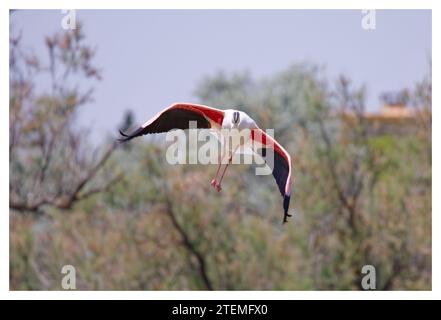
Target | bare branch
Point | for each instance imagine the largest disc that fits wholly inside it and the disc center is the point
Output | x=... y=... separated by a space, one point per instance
x=66 y=201
x=190 y=247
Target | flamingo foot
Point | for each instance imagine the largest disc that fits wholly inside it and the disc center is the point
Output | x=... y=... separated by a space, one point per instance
x=216 y=185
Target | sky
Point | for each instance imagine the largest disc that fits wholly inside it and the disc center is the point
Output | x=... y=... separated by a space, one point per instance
x=152 y=58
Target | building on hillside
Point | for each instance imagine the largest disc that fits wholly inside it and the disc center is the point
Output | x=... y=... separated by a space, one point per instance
x=395 y=117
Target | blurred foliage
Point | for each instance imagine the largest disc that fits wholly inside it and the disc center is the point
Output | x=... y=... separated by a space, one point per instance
x=50 y=162
x=358 y=197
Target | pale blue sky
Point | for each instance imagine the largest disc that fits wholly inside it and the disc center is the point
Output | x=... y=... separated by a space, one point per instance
x=152 y=58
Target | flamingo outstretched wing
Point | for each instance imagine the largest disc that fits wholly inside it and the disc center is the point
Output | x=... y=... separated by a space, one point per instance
x=178 y=116
x=281 y=168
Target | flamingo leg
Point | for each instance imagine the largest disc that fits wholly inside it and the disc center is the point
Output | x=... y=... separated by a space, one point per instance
x=230 y=159
x=218 y=186
x=214 y=182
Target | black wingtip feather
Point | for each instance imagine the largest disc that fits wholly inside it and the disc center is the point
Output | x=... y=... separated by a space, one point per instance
x=124 y=137
x=286 y=199
x=122 y=133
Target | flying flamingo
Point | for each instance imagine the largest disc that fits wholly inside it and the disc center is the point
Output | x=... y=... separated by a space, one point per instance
x=179 y=116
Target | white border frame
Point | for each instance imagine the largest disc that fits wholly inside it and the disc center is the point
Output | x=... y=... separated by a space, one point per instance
x=204 y=295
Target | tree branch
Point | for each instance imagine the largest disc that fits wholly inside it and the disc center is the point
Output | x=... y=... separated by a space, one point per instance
x=66 y=201
x=190 y=247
